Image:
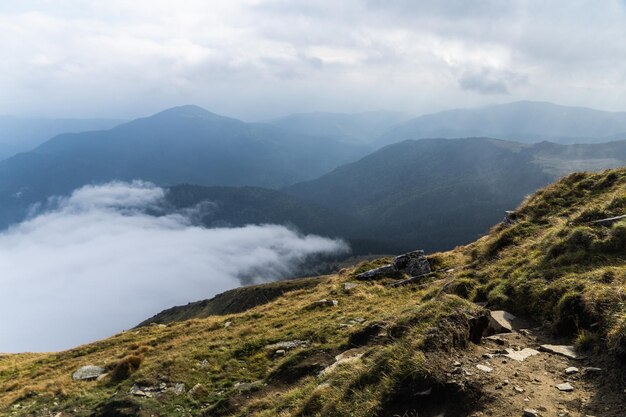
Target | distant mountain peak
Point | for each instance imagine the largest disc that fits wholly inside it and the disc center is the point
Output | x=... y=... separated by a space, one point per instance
x=188 y=111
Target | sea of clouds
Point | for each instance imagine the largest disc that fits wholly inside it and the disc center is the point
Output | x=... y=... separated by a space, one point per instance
x=97 y=262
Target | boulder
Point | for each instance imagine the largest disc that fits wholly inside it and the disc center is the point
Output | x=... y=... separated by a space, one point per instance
x=412 y=263
x=88 y=373
x=500 y=321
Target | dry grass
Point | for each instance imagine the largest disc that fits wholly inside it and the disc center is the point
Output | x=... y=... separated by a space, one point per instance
x=551 y=264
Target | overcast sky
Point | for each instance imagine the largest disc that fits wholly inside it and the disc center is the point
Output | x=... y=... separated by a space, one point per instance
x=262 y=58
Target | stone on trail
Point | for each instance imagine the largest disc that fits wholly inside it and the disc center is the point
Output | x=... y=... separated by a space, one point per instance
x=529 y=412
x=565 y=387
x=501 y=321
x=571 y=370
x=484 y=368
x=520 y=355
x=563 y=350
x=88 y=373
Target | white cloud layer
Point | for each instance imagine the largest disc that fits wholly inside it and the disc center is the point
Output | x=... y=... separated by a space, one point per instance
x=259 y=58
x=97 y=264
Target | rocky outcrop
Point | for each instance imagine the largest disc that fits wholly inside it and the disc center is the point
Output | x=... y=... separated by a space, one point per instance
x=411 y=263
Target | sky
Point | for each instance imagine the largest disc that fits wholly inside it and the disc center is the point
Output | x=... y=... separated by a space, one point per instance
x=258 y=59
x=94 y=263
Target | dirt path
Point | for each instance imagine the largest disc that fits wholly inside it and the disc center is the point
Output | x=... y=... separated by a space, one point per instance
x=510 y=386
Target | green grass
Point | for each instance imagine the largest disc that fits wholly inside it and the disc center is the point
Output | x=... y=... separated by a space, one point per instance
x=552 y=265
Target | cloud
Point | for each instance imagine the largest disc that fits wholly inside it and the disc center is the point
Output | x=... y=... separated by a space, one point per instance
x=488 y=81
x=96 y=262
x=260 y=58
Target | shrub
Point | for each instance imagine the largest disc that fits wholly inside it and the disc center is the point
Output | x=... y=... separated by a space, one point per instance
x=586 y=340
x=616 y=338
x=123 y=368
x=571 y=314
x=463 y=287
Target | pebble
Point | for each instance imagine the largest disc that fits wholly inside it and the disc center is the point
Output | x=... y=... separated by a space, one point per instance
x=484 y=368
x=529 y=412
x=571 y=370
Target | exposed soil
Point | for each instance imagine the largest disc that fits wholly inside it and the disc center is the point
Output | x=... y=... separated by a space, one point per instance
x=513 y=386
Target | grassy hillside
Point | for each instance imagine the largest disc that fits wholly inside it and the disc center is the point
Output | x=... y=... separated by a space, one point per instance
x=552 y=264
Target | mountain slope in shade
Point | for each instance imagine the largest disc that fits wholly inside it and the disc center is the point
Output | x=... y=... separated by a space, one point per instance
x=23 y=134
x=439 y=193
x=358 y=127
x=181 y=145
x=524 y=121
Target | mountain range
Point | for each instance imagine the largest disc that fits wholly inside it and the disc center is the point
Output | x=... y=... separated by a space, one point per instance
x=523 y=121
x=428 y=193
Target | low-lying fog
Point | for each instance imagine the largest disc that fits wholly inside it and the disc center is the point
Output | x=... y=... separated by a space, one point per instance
x=95 y=263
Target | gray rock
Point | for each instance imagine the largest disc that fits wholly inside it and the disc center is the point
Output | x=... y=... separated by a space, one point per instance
x=228 y=324
x=591 y=370
x=563 y=350
x=565 y=387
x=520 y=355
x=280 y=352
x=501 y=321
x=88 y=373
x=347 y=286
x=248 y=386
x=198 y=391
x=323 y=303
x=529 y=412
x=571 y=370
x=509 y=218
x=376 y=273
x=178 y=388
x=139 y=391
x=412 y=263
x=287 y=345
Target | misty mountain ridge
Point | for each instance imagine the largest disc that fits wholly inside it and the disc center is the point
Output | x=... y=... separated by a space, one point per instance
x=523 y=121
x=356 y=127
x=184 y=144
x=19 y=134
